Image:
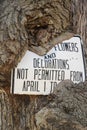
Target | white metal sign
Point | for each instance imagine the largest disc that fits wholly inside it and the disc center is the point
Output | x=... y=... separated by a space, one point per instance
x=38 y=75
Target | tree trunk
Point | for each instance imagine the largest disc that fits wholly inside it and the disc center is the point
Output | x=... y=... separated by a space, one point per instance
x=38 y=25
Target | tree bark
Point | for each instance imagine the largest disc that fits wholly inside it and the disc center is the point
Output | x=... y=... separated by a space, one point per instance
x=38 y=25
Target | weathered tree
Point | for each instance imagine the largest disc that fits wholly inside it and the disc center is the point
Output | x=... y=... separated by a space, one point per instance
x=38 y=25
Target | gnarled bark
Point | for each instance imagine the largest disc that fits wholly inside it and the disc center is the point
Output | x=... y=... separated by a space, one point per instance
x=38 y=25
